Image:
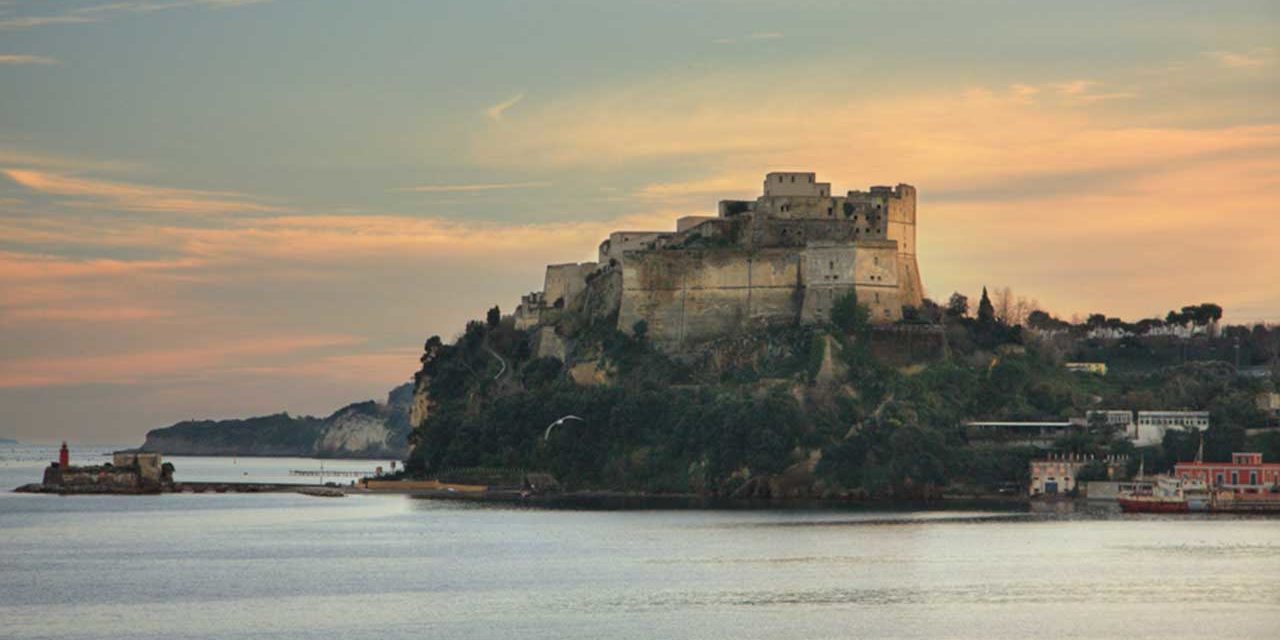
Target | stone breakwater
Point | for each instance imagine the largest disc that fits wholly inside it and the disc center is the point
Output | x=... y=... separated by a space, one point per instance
x=184 y=487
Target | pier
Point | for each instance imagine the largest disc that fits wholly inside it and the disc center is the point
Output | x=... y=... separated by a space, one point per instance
x=335 y=474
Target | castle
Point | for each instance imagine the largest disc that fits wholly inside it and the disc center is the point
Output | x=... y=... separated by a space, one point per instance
x=784 y=257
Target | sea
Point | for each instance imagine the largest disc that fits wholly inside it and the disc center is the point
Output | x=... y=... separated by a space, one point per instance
x=390 y=566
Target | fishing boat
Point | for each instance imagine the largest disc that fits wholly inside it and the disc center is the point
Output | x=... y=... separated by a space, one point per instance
x=1168 y=495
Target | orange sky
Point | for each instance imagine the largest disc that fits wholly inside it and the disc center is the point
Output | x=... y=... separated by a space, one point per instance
x=200 y=236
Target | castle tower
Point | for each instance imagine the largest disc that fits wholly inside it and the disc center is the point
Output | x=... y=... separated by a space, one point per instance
x=902 y=228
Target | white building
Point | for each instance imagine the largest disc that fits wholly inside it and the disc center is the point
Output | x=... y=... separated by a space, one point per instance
x=1152 y=425
x=1121 y=421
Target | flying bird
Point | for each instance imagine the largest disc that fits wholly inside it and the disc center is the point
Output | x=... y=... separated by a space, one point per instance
x=557 y=423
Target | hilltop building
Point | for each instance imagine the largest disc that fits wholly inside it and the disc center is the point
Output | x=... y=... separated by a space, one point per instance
x=1152 y=425
x=783 y=258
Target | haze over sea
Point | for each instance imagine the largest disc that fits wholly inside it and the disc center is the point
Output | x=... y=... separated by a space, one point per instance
x=291 y=566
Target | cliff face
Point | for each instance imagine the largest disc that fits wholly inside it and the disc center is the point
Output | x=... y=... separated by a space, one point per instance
x=361 y=430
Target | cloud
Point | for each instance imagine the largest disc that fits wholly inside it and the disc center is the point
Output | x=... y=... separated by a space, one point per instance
x=146 y=7
x=1013 y=180
x=92 y=13
x=1256 y=58
x=136 y=197
x=18 y=158
x=495 y=186
x=26 y=59
x=27 y=22
x=759 y=35
x=496 y=111
x=157 y=364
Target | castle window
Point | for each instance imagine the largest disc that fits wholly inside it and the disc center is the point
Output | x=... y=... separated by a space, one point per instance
x=793 y=178
x=833 y=265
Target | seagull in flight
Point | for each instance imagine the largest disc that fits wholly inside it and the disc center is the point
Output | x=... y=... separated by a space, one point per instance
x=557 y=423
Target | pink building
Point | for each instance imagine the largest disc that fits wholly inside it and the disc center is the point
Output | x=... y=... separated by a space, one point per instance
x=1246 y=473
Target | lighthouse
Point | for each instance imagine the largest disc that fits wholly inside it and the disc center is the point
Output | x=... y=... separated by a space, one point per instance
x=64 y=456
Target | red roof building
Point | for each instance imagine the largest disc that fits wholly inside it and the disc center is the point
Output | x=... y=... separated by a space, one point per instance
x=1246 y=473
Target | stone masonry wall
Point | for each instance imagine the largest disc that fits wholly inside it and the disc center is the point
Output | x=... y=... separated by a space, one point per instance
x=688 y=296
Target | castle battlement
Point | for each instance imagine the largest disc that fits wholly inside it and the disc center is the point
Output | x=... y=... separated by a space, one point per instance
x=785 y=257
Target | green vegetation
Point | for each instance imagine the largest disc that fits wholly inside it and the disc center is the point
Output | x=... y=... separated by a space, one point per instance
x=286 y=435
x=809 y=402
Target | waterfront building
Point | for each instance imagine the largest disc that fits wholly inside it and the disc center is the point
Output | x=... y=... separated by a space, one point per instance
x=1152 y=425
x=128 y=472
x=1246 y=473
x=1058 y=473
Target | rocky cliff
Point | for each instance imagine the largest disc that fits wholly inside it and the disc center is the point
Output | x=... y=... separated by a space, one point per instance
x=362 y=430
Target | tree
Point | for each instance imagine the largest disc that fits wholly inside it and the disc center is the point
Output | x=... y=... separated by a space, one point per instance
x=1039 y=320
x=848 y=315
x=986 y=312
x=1002 y=302
x=493 y=317
x=1094 y=470
x=958 y=305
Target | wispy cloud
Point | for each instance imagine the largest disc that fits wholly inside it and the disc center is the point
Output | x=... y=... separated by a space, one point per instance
x=11 y=58
x=145 y=7
x=137 y=197
x=94 y=13
x=759 y=35
x=496 y=111
x=27 y=22
x=153 y=364
x=1084 y=91
x=494 y=186
x=1255 y=58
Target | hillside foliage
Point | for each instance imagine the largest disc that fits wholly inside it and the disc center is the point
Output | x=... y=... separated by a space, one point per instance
x=760 y=403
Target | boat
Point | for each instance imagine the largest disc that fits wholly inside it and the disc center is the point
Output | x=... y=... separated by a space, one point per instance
x=1168 y=495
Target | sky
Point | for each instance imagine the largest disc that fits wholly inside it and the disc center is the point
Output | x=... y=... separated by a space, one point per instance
x=224 y=208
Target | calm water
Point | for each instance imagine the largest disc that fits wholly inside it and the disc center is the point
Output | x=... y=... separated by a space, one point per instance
x=289 y=566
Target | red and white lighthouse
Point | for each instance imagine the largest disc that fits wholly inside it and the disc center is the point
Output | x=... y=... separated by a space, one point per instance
x=64 y=456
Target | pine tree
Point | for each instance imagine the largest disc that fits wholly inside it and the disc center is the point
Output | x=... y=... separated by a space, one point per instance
x=986 y=311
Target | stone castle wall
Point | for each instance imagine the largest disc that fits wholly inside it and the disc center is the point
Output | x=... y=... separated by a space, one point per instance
x=785 y=257
x=565 y=281
x=695 y=295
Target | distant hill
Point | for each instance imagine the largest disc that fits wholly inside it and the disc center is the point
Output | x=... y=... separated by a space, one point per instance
x=8 y=441
x=361 y=430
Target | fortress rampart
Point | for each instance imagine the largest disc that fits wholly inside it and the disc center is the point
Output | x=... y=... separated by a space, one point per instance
x=785 y=257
